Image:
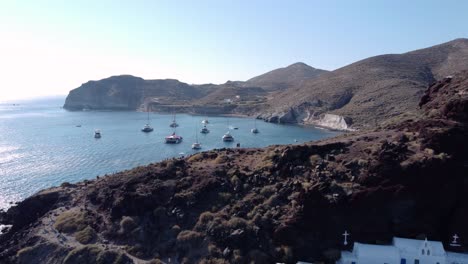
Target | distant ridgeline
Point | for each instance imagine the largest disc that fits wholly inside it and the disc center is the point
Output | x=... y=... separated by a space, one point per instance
x=361 y=95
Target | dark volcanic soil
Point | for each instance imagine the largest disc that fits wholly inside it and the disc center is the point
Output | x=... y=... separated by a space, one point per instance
x=282 y=203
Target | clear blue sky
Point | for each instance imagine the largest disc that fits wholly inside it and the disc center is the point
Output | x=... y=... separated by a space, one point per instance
x=51 y=47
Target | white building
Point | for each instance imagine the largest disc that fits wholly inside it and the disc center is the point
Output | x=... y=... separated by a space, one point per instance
x=402 y=251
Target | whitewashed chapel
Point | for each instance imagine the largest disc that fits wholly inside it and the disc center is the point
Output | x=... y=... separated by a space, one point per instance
x=403 y=251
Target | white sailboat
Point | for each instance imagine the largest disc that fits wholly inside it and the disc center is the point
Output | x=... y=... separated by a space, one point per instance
x=197 y=144
x=227 y=137
x=255 y=129
x=205 y=121
x=174 y=123
x=147 y=128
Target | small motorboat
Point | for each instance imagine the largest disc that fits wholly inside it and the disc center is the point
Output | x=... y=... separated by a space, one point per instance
x=228 y=137
x=204 y=130
x=97 y=133
x=205 y=121
x=147 y=128
x=173 y=139
x=235 y=128
x=78 y=125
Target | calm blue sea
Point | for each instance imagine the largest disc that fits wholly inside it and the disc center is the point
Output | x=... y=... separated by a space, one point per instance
x=40 y=145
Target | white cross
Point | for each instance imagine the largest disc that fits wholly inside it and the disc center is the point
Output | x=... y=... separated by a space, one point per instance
x=455 y=239
x=346 y=234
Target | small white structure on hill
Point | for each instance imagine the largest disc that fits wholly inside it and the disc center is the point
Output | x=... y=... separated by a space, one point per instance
x=402 y=251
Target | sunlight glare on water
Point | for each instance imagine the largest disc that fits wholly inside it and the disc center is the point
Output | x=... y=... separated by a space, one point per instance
x=41 y=145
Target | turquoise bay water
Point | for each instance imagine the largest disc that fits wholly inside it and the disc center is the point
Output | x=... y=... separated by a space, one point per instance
x=40 y=145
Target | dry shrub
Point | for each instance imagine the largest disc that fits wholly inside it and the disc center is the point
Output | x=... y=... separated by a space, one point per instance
x=127 y=224
x=196 y=157
x=40 y=253
x=213 y=250
x=237 y=222
x=71 y=221
x=267 y=191
x=224 y=197
x=156 y=261
x=190 y=237
x=213 y=261
x=94 y=254
x=86 y=235
x=315 y=160
x=205 y=217
x=221 y=159
x=273 y=201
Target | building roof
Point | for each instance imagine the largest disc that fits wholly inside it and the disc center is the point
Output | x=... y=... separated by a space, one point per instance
x=412 y=246
x=375 y=251
x=347 y=255
x=451 y=256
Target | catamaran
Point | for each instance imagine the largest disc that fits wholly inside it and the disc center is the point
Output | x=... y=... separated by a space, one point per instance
x=173 y=139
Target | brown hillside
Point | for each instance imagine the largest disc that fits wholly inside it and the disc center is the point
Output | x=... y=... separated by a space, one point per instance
x=373 y=89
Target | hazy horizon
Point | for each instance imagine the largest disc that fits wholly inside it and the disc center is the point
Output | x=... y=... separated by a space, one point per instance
x=52 y=47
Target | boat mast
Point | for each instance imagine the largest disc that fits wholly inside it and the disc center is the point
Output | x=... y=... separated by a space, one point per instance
x=147 y=110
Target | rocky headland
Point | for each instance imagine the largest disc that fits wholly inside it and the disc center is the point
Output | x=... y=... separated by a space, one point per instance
x=362 y=95
x=278 y=204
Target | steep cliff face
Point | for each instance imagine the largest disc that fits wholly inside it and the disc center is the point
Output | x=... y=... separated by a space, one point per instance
x=331 y=121
x=278 y=204
x=127 y=92
x=115 y=93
